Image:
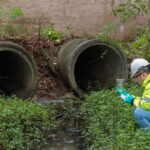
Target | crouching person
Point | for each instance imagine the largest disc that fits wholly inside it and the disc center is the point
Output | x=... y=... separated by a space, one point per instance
x=140 y=70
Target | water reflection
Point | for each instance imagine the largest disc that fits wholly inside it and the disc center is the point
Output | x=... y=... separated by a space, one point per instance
x=58 y=146
x=69 y=139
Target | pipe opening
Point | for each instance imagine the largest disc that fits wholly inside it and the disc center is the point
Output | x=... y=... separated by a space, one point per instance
x=97 y=66
x=15 y=74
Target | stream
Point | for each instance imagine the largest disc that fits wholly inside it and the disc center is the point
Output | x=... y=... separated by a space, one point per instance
x=69 y=139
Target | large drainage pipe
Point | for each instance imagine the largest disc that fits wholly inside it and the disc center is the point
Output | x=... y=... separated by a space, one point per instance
x=18 y=71
x=83 y=61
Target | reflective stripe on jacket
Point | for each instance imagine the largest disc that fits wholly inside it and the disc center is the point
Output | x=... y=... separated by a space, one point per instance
x=144 y=101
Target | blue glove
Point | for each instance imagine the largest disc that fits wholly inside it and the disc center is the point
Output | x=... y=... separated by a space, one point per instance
x=122 y=91
x=128 y=98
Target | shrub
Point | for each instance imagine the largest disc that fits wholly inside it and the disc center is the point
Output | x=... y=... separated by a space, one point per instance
x=51 y=33
x=110 y=124
x=23 y=123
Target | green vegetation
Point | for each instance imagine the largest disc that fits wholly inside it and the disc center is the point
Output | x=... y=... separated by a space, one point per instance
x=51 y=33
x=141 y=40
x=14 y=13
x=129 y=8
x=109 y=122
x=139 y=43
x=138 y=46
x=8 y=22
x=23 y=123
x=106 y=121
x=12 y=24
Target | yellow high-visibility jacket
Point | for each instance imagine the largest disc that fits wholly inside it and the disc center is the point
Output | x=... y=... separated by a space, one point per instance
x=144 y=101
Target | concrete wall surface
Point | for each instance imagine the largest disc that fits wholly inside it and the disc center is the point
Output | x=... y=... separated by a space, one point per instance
x=85 y=16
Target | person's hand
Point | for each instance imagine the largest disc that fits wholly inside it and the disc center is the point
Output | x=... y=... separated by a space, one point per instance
x=121 y=91
x=128 y=98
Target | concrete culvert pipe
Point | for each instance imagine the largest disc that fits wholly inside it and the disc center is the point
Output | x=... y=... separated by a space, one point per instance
x=93 y=61
x=18 y=72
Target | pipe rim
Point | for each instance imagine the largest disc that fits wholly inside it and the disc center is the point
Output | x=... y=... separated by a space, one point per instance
x=21 y=52
x=80 y=49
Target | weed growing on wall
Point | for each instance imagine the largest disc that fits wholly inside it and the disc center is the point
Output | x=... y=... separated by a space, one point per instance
x=109 y=121
x=51 y=33
x=135 y=8
x=137 y=45
x=129 y=8
x=23 y=123
x=8 y=21
x=140 y=43
x=15 y=12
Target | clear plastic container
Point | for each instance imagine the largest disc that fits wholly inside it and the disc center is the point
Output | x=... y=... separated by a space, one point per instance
x=120 y=83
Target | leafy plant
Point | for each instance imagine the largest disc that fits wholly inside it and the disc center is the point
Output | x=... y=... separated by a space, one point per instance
x=130 y=8
x=15 y=12
x=109 y=121
x=51 y=33
x=23 y=123
x=70 y=31
x=140 y=43
x=9 y=22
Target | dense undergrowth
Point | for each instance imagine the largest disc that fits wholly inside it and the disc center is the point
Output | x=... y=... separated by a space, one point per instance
x=23 y=123
x=106 y=121
x=109 y=121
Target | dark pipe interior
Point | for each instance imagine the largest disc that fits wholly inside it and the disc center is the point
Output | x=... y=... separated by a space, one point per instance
x=96 y=66
x=14 y=74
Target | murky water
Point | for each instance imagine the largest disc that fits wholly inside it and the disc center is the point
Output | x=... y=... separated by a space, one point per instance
x=68 y=136
x=69 y=139
x=58 y=146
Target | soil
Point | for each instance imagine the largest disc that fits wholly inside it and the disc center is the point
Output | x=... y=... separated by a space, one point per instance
x=50 y=86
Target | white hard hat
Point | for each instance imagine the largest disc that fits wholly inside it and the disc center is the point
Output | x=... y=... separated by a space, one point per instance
x=137 y=64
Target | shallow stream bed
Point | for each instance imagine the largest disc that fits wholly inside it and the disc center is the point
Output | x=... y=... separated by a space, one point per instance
x=69 y=139
x=68 y=135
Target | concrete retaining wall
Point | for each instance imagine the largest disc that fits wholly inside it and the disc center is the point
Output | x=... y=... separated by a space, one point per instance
x=85 y=16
